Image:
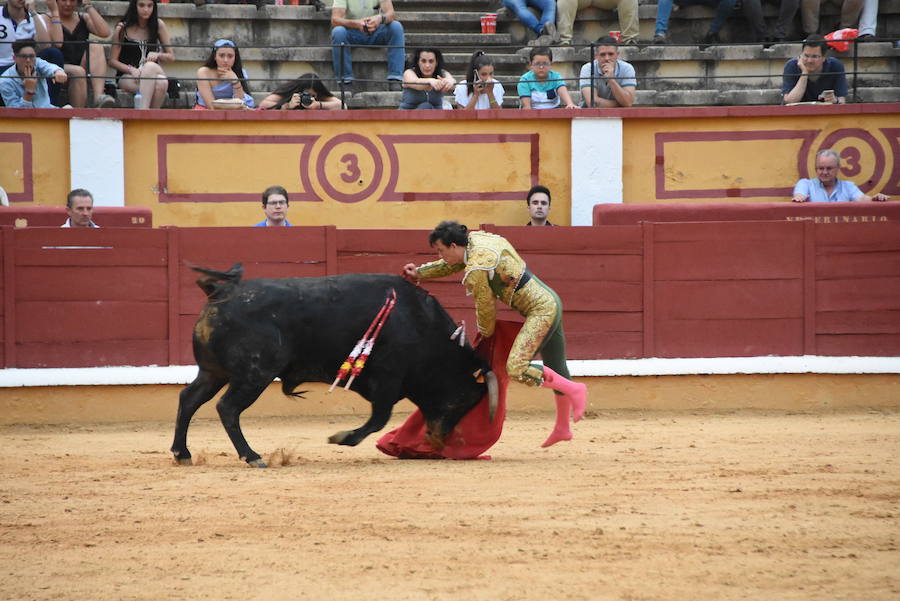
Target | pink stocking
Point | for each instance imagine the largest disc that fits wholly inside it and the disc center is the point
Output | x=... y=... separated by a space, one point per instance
x=561 y=429
x=575 y=392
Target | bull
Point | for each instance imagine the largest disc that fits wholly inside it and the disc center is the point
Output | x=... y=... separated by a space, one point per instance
x=301 y=330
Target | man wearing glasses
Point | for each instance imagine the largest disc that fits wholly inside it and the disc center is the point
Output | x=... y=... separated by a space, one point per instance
x=24 y=85
x=812 y=77
x=275 y=205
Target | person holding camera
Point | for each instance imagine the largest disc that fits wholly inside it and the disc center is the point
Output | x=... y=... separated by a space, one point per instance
x=480 y=90
x=307 y=92
x=425 y=81
x=222 y=77
x=812 y=77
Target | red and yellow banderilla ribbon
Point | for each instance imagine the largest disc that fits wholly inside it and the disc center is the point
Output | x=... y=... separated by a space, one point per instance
x=356 y=360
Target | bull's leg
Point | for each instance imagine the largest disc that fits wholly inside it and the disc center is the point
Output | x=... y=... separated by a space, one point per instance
x=204 y=387
x=238 y=397
x=381 y=413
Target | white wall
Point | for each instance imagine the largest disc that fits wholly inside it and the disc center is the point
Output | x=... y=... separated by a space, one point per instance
x=97 y=159
x=596 y=165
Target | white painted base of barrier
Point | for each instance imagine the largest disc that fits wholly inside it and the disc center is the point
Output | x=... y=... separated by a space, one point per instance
x=183 y=374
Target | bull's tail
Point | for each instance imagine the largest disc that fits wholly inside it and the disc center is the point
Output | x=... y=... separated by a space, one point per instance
x=218 y=282
x=288 y=386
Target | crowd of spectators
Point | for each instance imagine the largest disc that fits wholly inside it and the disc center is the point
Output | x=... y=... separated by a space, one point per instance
x=142 y=47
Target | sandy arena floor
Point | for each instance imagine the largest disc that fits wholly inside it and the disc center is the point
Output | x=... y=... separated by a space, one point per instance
x=640 y=506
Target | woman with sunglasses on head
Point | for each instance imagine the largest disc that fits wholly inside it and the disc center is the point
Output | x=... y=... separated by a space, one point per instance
x=222 y=76
x=480 y=90
x=140 y=44
x=307 y=92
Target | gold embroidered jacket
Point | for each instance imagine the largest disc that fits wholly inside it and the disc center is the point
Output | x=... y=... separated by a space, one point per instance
x=492 y=270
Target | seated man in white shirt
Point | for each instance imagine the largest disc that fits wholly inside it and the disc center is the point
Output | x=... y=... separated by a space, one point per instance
x=80 y=208
x=826 y=187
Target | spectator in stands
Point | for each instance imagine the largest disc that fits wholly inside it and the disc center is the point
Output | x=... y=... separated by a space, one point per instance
x=544 y=28
x=812 y=77
x=826 y=187
x=784 y=24
x=724 y=8
x=222 y=76
x=24 y=84
x=614 y=80
x=80 y=208
x=809 y=14
x=142 y=45
x=370 y=23
x=480 y=90
x=307 y=92
x=541 y=87
x=19 y=21
x=70 y=31
x=275 y=205
x=868 y=18
x=538 y=201
x=425 y=80
x=628 y=17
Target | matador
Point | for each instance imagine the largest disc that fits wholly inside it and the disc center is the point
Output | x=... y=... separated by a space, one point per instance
x=493 y=269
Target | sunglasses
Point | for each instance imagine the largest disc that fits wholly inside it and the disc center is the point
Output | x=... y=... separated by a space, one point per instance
x=220 y=43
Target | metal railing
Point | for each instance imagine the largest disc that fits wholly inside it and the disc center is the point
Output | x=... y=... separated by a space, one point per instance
x=585 y=54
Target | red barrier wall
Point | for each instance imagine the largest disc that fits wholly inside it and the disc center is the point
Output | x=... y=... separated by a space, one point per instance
x=818 y=212
x=74 y=298
x=56 y=216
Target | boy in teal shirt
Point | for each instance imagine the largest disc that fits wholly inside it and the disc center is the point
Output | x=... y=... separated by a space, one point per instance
x=541 y=87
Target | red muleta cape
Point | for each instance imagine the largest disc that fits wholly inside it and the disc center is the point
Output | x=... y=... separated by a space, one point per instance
x=475 y=433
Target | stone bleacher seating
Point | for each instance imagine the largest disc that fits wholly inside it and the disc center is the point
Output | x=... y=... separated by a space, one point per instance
x=282 y=42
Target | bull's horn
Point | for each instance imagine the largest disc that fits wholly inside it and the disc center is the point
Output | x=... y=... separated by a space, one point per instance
x=493 y=394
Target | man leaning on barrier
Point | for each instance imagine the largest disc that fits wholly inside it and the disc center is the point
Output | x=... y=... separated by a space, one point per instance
x=614 y=80
x=826 y=187
x=813 y=77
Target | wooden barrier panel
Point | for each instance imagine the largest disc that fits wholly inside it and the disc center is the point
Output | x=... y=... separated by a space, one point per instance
x=73 y=298
x=727 y=289
x=857 y=279
x=85 y=297
x=265 y=253
x=817 y=212
x=597 y=273
x=37 y=216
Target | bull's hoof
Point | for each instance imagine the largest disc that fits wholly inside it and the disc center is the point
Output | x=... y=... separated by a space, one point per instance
x=339 y=437
x=183 y=461
x=257 y=463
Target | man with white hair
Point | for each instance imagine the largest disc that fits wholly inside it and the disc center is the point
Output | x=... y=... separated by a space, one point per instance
x=826 y=187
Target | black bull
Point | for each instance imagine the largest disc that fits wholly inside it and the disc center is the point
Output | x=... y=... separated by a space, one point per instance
x=302 y=329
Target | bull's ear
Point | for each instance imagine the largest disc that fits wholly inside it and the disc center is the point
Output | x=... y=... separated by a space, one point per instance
x=479 y=377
